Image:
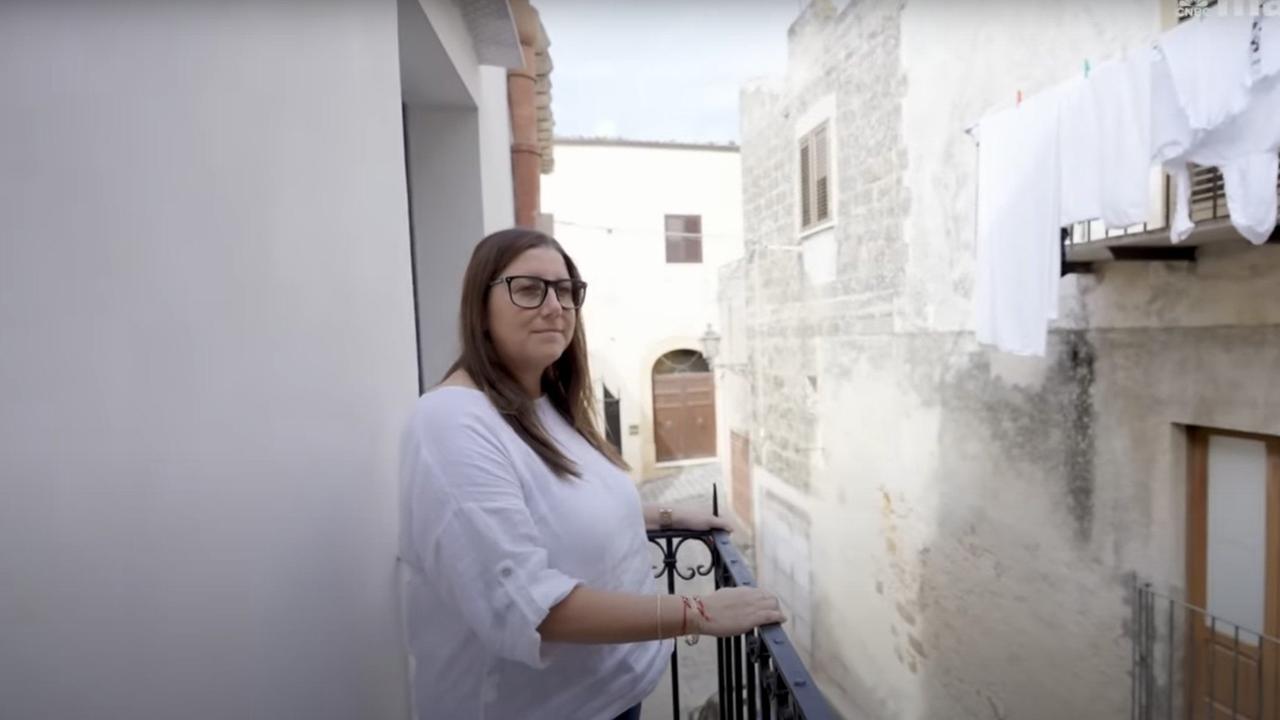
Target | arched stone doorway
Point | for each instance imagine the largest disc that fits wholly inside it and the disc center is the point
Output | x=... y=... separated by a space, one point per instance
x=684 y=407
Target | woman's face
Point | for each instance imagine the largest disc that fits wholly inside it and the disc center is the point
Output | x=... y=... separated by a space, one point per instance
x=530 y=339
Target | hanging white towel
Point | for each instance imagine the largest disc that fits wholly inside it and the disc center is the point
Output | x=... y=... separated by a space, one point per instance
x=1210 y=77
x=1209 y=60
x=1171 y=139
x=1080 y=154
x=1122 y=100
x=1250 y=186
x=1180 y=224
x=1245 y=149
x=1170 y=128
x=1019 y=249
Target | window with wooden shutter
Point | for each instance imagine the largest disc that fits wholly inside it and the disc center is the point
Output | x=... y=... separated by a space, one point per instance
x=822 y=206
x=806 y=216
x=684 y=238
x=815 y=178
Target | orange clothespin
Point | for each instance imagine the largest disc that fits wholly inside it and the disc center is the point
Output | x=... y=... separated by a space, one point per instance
x=1019 y=98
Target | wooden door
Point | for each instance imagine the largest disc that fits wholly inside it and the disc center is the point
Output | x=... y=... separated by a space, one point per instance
x=684 y=415
x=1233 y=573
x=612 y=419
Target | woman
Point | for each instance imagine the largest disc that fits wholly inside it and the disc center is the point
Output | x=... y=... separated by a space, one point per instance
x=530 y=593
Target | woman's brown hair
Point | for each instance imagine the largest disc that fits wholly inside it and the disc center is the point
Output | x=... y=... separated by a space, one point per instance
x=567 y=382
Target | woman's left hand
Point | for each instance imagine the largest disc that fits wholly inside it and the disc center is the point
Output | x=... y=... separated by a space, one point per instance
x=691 y=519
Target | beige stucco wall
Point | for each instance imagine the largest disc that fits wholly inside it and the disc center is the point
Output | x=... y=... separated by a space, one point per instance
x=609 y=203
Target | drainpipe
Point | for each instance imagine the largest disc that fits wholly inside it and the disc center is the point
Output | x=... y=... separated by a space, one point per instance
x=522 y=97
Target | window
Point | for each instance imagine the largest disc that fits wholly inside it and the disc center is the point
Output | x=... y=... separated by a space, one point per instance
x=612 y=419
x=684 y=238
x=815 y=178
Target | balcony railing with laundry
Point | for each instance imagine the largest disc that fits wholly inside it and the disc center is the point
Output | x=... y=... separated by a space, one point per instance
x=1088 y=242
x=759 y=674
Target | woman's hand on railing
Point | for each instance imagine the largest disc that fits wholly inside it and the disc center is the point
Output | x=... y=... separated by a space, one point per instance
x=734 y=611
x=687 y=518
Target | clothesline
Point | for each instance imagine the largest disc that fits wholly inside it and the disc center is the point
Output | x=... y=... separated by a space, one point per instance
x=610 y=229
x=1153 y=43
x=1087 y=68
x=1207 y=92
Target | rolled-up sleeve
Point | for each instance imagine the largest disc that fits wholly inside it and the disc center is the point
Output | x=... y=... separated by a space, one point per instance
x=477 y=542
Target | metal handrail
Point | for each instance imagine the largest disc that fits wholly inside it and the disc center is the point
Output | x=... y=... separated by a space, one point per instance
x=1181 y=654
x=770 y=680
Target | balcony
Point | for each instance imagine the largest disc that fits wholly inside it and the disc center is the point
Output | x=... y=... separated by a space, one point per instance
x=759 y=674
x=1089 y=242
x=1189 y=663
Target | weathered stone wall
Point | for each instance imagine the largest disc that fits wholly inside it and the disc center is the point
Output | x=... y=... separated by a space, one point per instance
x=975 y=521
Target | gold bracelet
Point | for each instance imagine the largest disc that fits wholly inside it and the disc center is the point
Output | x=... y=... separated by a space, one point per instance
x=666 y=520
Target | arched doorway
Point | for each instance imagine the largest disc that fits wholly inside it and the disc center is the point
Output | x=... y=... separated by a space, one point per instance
x=684 y=406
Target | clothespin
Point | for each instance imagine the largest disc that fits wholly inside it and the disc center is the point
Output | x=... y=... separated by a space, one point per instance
x=1019 y=98
x=1086 y=68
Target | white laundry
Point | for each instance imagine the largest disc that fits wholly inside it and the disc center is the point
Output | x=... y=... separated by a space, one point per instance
x=1245 y=150
x=1170 y=128
x=1171 y=139
x=1080 y=154
x=1209 y=61
x=1122 y=99
x=1210 y=108
x=1250 y=186
x=1019 y=250
x=1269 y=47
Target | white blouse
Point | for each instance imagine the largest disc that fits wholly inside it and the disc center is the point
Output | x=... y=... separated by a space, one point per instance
x=491 y=540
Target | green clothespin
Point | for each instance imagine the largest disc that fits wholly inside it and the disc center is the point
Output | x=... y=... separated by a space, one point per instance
x=1086 y=68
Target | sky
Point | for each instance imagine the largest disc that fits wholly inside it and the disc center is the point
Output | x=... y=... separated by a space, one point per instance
x=663 y=70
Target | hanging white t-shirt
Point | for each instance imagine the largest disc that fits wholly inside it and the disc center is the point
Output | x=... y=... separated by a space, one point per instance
x=1243 y=147
x=491 y=540
x=1122 y=98
x=1019 y=246
x=1209 y=59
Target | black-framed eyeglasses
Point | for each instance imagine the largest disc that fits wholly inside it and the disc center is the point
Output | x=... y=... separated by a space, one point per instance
x=529 y=292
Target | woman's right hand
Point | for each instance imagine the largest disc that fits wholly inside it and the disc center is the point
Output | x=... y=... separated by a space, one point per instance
x=734 y=611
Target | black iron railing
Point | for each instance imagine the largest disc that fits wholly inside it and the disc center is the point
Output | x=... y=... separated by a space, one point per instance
x=759 y=674
x=1208 y=202
x=1189 y=664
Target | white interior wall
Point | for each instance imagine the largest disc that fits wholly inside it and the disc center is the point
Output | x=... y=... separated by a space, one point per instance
x=207 y=356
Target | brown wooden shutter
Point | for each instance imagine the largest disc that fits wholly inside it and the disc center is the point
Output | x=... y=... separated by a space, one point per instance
x=806 y=197
x=822 y=205
x=675 y=248
x=693 y=238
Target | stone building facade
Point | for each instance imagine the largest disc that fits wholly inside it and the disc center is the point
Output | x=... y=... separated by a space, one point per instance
x=957 y=532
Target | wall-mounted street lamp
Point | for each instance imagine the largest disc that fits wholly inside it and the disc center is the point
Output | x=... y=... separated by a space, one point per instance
x=710 y=341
